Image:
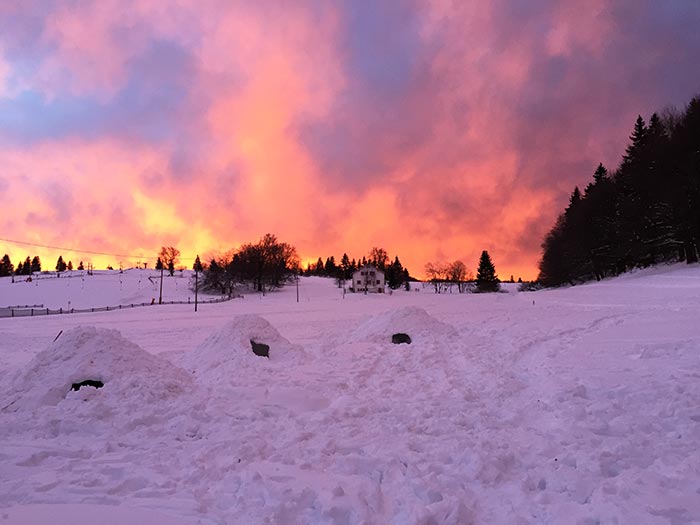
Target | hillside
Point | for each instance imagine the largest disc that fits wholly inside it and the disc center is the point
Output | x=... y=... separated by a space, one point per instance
x=77 y=289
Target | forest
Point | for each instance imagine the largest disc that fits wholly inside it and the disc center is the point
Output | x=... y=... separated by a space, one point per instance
x=645 y=212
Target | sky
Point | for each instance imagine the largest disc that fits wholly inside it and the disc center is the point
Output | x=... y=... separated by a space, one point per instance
x=434 y=129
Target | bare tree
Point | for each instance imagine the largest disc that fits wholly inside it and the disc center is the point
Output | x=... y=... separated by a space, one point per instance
x=170 y=256
x=437 y=275
x=457 y=273
x=379 y=257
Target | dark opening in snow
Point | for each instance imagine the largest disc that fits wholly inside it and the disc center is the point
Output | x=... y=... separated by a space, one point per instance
x=399 y=338
x=88 y=382
x=260 y=349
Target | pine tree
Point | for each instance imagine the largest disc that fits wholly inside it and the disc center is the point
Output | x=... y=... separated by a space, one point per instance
x=638 y=138
x=6 y=266
x=395 y=274
x=70 y=266
x=80 y=266
x=159 y=264
x=330 y=266
x=20 y=269
x=36 y=264
x=320 y=269
x=197 y=266
x=27 y=268
x=345 y=266
x=600 y=174
x=486 y=278
x=60 y=265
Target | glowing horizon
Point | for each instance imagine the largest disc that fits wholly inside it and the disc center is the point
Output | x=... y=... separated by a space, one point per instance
x=432 y=129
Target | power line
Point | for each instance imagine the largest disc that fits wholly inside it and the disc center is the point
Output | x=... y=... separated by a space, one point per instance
x=73 y=250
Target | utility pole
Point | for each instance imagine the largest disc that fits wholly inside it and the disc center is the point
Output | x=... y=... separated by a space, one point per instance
x=196 y=287
x=160 y=298
x=297 y=279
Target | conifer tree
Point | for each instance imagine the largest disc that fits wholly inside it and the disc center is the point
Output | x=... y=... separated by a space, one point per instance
x=197 y=266
x=36 y=264
x=395 y=274
x=330 y=266
x=60 y=265
x=486 y=278
x=159 y=264
x=320 y=269
x=27 y=268
x=20 y=269
x=600 y=174
x=345 y=266
x=70 y=266
x=6 y=266
x=80 y=266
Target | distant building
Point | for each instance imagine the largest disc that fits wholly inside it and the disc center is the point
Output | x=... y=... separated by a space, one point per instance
x=368 y=279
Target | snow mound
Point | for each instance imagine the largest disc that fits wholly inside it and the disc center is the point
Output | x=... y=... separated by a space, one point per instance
x=413 y=321
x=231 y=348
x=131 y=377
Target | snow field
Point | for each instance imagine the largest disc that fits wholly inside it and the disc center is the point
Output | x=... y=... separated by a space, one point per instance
x=77 y=289
x=583 y=407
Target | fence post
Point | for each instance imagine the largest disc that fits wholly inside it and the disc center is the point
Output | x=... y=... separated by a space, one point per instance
x=60 y=310
x=47 y=311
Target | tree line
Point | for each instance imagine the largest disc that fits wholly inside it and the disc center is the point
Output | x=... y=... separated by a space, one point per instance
x=395 y=274
x=31 y=265
x=644 y=212
x=270 y=263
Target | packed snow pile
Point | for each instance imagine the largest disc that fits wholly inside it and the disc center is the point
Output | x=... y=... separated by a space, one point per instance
x=413 y=321
x=247 y=341
x=90 y=373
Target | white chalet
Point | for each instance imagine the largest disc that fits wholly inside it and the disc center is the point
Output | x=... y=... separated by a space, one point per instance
x=368 y=278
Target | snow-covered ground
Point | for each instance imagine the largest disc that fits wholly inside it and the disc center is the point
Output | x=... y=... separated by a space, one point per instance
x=579 y=405
x=77 y=289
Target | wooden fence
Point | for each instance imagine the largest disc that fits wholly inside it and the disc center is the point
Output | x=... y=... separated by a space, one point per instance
x=36 y=310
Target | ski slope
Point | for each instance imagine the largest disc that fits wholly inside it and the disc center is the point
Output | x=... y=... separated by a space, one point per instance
x=578 y=405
